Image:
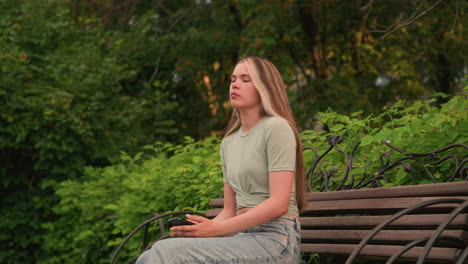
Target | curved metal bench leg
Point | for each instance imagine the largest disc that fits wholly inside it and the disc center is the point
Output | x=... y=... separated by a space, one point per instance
x=439 y=231
x=145 y=224
x=420 y=242
x=363 y=242
x=463 y=257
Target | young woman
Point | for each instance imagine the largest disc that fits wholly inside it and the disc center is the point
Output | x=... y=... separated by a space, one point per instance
x=263 y=173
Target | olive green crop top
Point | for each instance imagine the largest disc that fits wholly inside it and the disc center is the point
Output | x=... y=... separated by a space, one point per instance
x=248 y=158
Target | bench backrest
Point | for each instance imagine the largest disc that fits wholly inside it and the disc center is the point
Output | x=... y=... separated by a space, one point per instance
x=336 y=222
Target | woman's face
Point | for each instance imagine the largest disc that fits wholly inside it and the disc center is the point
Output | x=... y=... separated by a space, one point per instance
x=243 y=94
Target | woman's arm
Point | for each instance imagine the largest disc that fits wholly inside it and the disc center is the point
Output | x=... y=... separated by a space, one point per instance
x=280 y=184
x=229 y=207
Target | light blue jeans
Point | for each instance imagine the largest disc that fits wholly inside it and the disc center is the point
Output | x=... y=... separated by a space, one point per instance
x=276 y=241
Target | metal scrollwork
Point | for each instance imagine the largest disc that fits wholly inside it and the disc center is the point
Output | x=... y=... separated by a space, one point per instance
x=410 y=162
x=145 y=225
x=459 y=168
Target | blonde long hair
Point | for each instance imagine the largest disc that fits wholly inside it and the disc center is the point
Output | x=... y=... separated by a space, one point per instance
x=269 y=84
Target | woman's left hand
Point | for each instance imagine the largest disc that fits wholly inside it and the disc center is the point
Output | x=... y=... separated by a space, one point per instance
x=203 y=227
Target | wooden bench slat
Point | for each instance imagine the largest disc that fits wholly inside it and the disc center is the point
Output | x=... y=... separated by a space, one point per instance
x=373 y=205
x=383 y=235
x=450 y=254
x=216 y=203
x=212 y=212
x=441 y=189
x=372 y=221
x=461 y=219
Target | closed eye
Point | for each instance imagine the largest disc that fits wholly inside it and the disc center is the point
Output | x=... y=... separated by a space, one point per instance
x=244 y=78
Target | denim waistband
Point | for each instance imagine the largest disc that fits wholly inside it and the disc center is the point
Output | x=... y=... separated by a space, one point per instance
x=282 y=222
x=285 y=220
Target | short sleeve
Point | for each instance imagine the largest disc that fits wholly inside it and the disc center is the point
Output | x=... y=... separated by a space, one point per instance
x=223 y=162
x=281 y=146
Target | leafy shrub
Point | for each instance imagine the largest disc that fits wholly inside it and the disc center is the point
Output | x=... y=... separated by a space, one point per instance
x=99 y=210
x=64 y=104
x=417 y=128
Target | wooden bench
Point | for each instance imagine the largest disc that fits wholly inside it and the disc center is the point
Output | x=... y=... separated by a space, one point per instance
x=420 y=223
x=335 y=222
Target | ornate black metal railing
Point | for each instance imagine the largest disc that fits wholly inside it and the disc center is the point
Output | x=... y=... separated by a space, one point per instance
x=348 y=179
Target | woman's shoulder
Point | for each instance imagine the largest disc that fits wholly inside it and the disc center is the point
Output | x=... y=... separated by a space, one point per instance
x=276 y=122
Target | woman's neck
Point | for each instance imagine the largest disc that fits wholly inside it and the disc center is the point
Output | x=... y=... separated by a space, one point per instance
x=249 y=118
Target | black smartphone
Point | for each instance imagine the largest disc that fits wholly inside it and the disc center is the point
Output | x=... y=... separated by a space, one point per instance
x=177 y=221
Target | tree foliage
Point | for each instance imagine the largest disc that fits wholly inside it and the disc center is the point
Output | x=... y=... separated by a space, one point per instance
x=329 y=52
x=63 y=105
x=81 y=81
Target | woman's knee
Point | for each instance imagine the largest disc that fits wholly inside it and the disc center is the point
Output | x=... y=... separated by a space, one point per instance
x=143 y=258
x=167 y=244
x=168 y=248
x=147 y=256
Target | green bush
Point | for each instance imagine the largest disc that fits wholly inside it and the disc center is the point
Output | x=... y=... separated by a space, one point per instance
x=82 y=80
x=65 y=103
x=416 y=128
x=102 y=208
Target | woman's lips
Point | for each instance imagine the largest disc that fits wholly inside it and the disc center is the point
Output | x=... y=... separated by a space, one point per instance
x=234 y=95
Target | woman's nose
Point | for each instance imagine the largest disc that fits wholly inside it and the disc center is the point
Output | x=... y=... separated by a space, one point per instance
x=234 y=85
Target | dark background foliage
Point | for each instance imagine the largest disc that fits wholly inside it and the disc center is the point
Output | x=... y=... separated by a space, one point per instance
x=82 y=82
